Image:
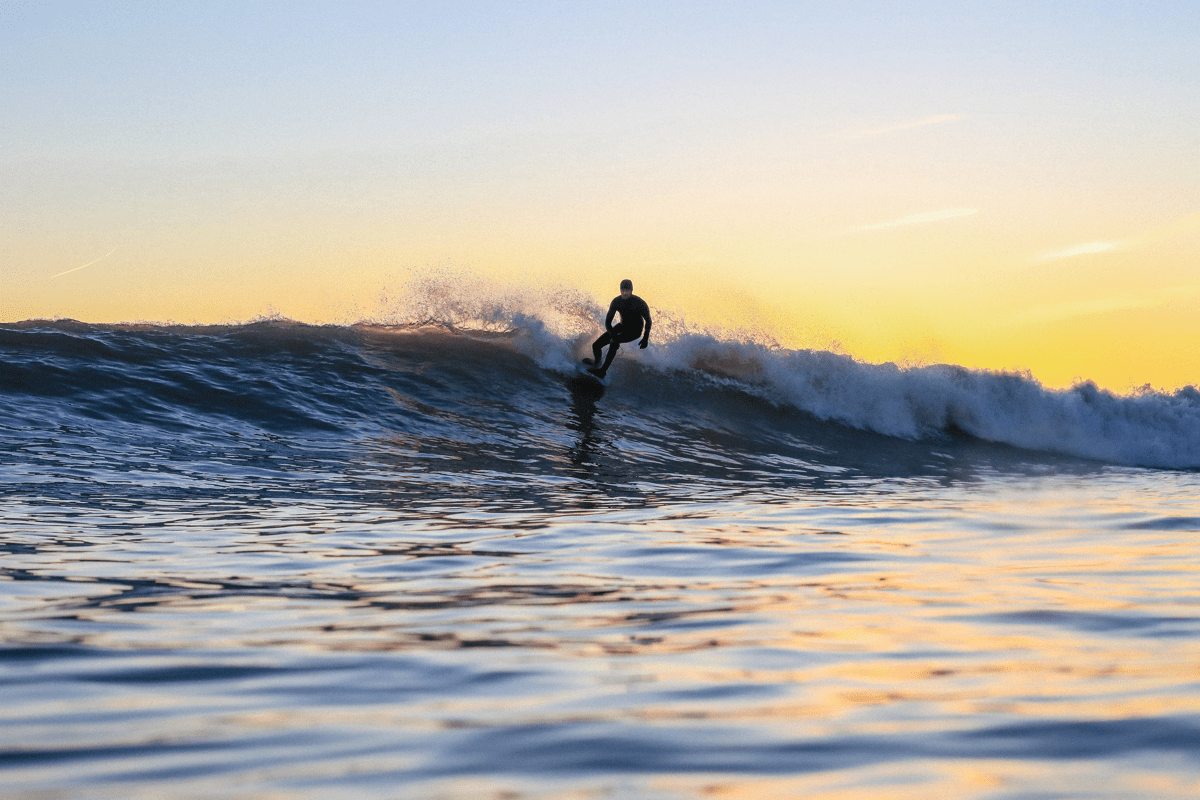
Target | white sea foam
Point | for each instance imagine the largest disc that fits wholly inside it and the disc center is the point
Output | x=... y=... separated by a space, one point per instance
x=1148 y=428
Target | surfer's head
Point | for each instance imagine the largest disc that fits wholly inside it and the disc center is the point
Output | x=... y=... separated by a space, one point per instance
x=626 y=287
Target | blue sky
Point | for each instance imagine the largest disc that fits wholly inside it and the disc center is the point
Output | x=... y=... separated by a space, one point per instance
x=832 y=159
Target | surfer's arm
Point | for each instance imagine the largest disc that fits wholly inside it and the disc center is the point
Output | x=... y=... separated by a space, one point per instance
x=646 y=316
x=612 y=312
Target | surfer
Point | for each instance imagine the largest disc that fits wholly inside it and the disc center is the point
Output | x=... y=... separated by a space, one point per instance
x=633 y=311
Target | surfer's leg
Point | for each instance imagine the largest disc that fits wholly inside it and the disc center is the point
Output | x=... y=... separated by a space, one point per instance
x=598 y=347
x=618 y=338
x=610 y=337
x=608 y=359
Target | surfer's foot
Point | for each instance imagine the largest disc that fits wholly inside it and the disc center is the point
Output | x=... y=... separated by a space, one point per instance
x=599 y=373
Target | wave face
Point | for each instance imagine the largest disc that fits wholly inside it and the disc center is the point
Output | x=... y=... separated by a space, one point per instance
x=508 y=399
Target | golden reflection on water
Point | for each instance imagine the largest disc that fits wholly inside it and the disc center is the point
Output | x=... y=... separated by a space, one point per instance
x=805 y=622
x=925 y=779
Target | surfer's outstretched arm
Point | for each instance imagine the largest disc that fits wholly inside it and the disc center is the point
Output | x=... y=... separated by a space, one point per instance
x=612 y=312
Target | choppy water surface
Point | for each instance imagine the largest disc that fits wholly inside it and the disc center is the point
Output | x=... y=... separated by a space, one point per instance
x=276 y=563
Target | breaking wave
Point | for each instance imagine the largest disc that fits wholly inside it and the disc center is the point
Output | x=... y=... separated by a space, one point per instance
x=451 y=361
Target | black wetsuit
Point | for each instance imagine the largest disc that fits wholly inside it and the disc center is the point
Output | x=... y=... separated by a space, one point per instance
x=633 y=311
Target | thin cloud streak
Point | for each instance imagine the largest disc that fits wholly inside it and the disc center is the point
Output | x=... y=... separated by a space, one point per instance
x=1178 y=227
x=1085 y=249
x=934 y=120
x=1057 y=312
x=76 y=269
x=917 y=219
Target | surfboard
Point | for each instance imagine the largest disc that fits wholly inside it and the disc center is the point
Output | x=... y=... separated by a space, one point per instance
x=582 y=369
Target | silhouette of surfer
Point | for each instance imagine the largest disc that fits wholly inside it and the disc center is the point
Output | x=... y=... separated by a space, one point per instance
x=633 y=311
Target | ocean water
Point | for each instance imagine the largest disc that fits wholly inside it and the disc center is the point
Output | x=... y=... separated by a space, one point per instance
x=275 y=560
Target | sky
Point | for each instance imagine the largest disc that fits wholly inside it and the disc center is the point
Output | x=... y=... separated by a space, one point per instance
x=1001 y=185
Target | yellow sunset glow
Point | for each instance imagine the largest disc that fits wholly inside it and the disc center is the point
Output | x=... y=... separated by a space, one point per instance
x=904 y=185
